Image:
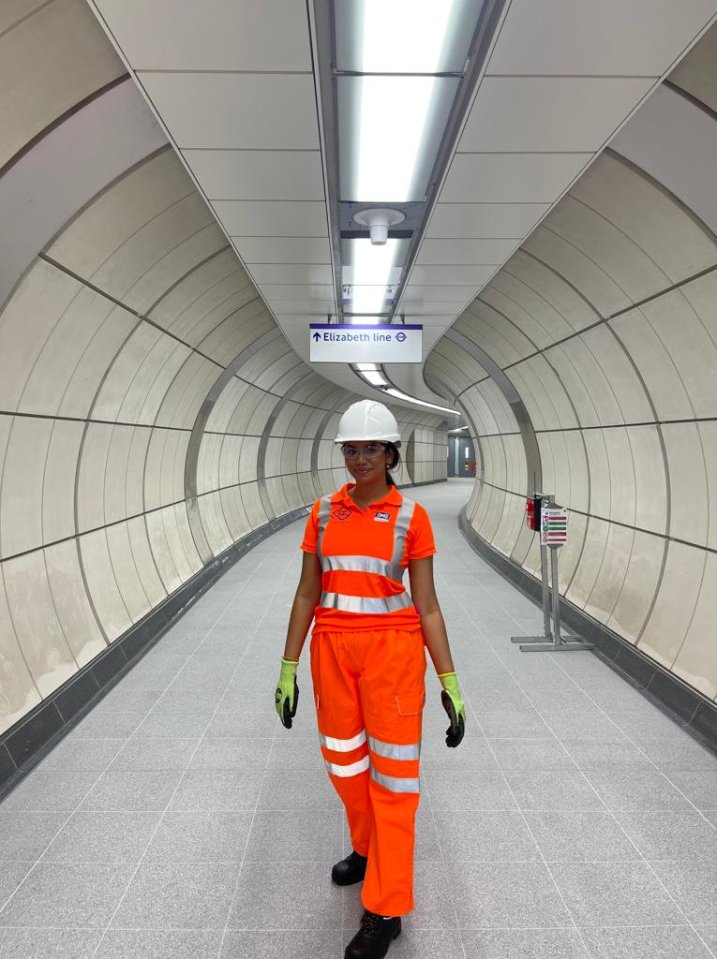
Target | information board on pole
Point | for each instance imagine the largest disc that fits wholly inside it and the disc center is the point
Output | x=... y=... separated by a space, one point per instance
x=553 y=526
x=365 y=343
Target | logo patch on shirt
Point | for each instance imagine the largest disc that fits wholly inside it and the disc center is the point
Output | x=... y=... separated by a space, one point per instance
x=342 y=513
x=382 y=517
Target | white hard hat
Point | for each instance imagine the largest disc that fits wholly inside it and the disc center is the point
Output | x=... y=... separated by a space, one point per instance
x=368 y=420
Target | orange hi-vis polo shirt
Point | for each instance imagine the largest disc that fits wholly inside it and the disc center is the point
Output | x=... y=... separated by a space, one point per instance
x=364 y=554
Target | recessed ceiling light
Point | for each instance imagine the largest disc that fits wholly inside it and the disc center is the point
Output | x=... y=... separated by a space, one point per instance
x=412 y=399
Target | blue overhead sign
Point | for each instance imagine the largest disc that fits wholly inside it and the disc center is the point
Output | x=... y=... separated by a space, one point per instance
x=365 y=343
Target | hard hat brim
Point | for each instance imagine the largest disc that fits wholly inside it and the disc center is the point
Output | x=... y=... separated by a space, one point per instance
x=396 y=440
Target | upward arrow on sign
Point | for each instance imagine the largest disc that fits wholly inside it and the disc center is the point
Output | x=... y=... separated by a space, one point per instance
x=317 y=336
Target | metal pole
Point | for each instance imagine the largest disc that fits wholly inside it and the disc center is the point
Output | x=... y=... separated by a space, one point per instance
x=546 y=596
x=555 y=584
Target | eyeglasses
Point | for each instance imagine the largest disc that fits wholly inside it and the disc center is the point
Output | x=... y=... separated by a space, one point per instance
x=370 y=451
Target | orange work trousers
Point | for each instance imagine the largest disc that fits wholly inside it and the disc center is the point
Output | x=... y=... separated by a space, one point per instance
x=369 y=691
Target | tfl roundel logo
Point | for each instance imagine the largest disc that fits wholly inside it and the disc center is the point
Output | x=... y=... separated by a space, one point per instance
x=400 y=337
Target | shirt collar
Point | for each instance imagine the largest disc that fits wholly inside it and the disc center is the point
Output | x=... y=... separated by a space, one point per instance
x=393 y=497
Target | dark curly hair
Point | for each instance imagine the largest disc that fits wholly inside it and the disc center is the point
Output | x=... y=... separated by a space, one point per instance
x=394 y=463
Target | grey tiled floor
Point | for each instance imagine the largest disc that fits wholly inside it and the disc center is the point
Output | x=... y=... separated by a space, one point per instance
x=181 y=820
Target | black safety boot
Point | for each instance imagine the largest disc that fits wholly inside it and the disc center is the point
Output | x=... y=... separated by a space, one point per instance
x=374 y=937
x=350 y=870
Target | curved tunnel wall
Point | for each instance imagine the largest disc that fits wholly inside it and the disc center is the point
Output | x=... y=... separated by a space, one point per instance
x=605 y=322
x=151 y=412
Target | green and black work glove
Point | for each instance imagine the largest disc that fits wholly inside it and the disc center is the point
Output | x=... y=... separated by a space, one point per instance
x=287 y=692
x=453 y=705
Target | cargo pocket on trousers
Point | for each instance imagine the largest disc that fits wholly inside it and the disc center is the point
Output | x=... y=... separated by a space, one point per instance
x=410 y=704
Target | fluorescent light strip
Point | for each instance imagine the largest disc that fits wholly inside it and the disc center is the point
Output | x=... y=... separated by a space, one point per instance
x=392 y=120
x=412 y=399
x=371 y=269
x=374 y=378
x=408 y=34
x=404 y=36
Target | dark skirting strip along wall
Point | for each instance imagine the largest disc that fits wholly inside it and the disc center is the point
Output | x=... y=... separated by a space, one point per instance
x=694 y=713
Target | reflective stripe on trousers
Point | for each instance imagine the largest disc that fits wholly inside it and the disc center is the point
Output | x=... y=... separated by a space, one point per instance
x=352 y=769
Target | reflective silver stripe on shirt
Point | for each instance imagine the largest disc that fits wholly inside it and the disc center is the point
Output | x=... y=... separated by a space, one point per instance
x=396 y=784
x=353 y=769
x=394 y=750
x=400 y=530
x=365 y=564
x=324 y=511
x=365 y=604
x=343 y=745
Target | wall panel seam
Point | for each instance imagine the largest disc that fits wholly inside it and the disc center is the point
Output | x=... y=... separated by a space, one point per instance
x=126 y=308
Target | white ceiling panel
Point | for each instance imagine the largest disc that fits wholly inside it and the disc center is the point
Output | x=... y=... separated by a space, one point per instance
x=211 y=35
x=484 y=220
x=316 y=309
x=535 y=114
x=419 y=310
x=468 y=252
x=303 y=307
x=284 y=292
x=415 y=293
x=258 y=174
x=437 y=320
x=299 y=320
x=473 y=275
x=272 y=218
x=236 y=111
x=291 y=273
x=511 y=177
x=581 y=37
x=282 y=249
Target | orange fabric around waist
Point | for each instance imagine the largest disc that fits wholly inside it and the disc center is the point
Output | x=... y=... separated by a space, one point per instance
x=340 y=621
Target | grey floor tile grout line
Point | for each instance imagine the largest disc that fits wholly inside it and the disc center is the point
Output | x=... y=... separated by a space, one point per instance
x=256 y=804
x=39 y=858
x=184 y=773
x=646 y=756
x=610 y=812
x=445 y=866
x=540 y=852
x=344 y=825
x=528 y=827
x=417 y=928
x=642 y=858
x=632 y=842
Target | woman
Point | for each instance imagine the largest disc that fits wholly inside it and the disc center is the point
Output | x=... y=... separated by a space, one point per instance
x=368 y=664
